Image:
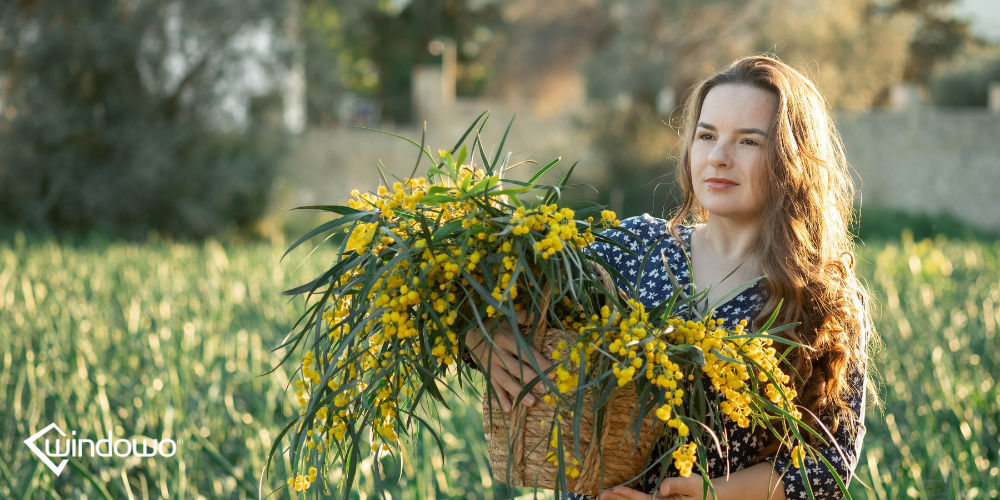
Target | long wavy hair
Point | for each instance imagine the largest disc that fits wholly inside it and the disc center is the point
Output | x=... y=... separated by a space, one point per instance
x=805 y=244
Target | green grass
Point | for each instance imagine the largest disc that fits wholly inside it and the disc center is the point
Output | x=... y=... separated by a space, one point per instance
x=937 y=310
x=172 y=340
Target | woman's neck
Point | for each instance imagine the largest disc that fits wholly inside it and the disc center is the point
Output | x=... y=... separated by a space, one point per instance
x=723 y=256
x=727 y=241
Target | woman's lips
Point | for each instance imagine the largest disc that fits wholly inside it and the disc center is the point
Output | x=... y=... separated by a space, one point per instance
x=718 y=183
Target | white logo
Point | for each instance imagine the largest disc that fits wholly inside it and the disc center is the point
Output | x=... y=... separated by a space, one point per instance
x=107 y=447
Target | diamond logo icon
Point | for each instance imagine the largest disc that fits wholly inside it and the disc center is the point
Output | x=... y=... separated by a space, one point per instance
x=30 y=442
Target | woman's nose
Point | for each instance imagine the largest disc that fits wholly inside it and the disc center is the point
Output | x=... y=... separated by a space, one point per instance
x=719 y=155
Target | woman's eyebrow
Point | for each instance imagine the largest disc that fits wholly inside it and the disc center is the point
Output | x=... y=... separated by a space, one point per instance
x=751 y=130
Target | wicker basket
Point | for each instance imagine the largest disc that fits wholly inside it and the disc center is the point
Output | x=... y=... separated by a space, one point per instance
x=526 y=432
x=522 y=437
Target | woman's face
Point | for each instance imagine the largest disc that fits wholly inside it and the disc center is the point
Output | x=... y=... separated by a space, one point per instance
x=729 y=151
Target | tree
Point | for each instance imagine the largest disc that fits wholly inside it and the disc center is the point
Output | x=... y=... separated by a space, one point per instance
x=336 y=57
x=966 y=80
x=851 y=48
x=371 y=49
x=112 y=117
x=939 y=36
x=848 y=47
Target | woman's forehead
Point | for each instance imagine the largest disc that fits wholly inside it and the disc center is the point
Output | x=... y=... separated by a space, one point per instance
x=738 y=107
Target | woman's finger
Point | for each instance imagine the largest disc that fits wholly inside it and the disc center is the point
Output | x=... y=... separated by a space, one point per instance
x=500 y=375
x=680 y=487
x=504 y=387
x=502 y=397
x=513 y=382
x=503 y=336
x=527 y=373
x=522 y=317
x=505 y=340
x=623 y=493
x=518 y=367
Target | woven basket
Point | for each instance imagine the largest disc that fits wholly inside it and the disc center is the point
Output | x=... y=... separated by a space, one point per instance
x=522 y=437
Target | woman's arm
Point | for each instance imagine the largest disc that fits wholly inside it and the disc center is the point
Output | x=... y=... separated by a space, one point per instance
x=780 y=480
x=843 y=451
x=756 y=481
x=760 y=481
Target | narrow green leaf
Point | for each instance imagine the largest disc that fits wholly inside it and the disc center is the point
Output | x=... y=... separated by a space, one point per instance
x=503 y=141
x=462 y=154
x=407 y=139
x=542 y=170
x=329 y=226
x=484 y=116
x=337 y=209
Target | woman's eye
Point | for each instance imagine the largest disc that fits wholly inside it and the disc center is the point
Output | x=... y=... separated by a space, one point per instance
x=751 y=142
x=705 y=136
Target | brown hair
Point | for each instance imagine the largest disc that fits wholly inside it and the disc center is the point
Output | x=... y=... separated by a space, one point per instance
x=806 y=248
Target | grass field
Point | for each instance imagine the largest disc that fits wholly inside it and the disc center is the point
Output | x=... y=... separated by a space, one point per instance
x=166 y=340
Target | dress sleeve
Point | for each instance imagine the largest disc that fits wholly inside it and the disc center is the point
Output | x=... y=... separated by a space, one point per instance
x=843 y=453
x=632 y=233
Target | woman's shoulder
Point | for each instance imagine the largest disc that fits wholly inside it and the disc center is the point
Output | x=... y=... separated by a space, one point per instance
x=636 y=236
x=649 y=229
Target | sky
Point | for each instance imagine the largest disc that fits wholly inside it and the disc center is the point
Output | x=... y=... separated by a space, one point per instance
x=985 y=16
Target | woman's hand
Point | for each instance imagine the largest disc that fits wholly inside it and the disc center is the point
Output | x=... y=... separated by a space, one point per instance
x=507 y=370
x=758 y=481
x=672 y=488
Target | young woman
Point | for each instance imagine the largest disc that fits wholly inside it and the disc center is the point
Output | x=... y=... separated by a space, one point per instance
x=766 y=186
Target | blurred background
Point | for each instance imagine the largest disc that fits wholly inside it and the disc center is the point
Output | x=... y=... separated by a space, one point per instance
x=152 y=151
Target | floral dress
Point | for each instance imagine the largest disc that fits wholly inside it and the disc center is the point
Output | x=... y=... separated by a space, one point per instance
x=653 y=287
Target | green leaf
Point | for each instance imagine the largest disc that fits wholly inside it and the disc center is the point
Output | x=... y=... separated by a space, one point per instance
x=726 y=358
x=446 y=231
x=407 y=139
x=337 y=209
x=774 y=316
x=503 y=140
x=433 y=171
x=485 y=184
x=439 y=198
x=735 y=291
x=543 y=170
x=511 y=191
x=484 y=116
x=327 y=227
x=462 y=154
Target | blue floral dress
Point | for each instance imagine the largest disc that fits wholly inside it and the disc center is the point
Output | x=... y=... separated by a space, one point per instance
x=654 y=285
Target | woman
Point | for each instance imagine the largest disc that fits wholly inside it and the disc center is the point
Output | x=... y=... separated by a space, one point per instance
x=765 y=181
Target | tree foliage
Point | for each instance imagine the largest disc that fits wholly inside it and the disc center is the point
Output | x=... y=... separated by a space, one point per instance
x=938 y=36
x=850 y=49
x=966 y=81
x=112 y=117
x=371 y=49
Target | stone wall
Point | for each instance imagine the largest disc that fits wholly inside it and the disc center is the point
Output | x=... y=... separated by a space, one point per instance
x=324 y=165
x=928 y=161
x=923 y=161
